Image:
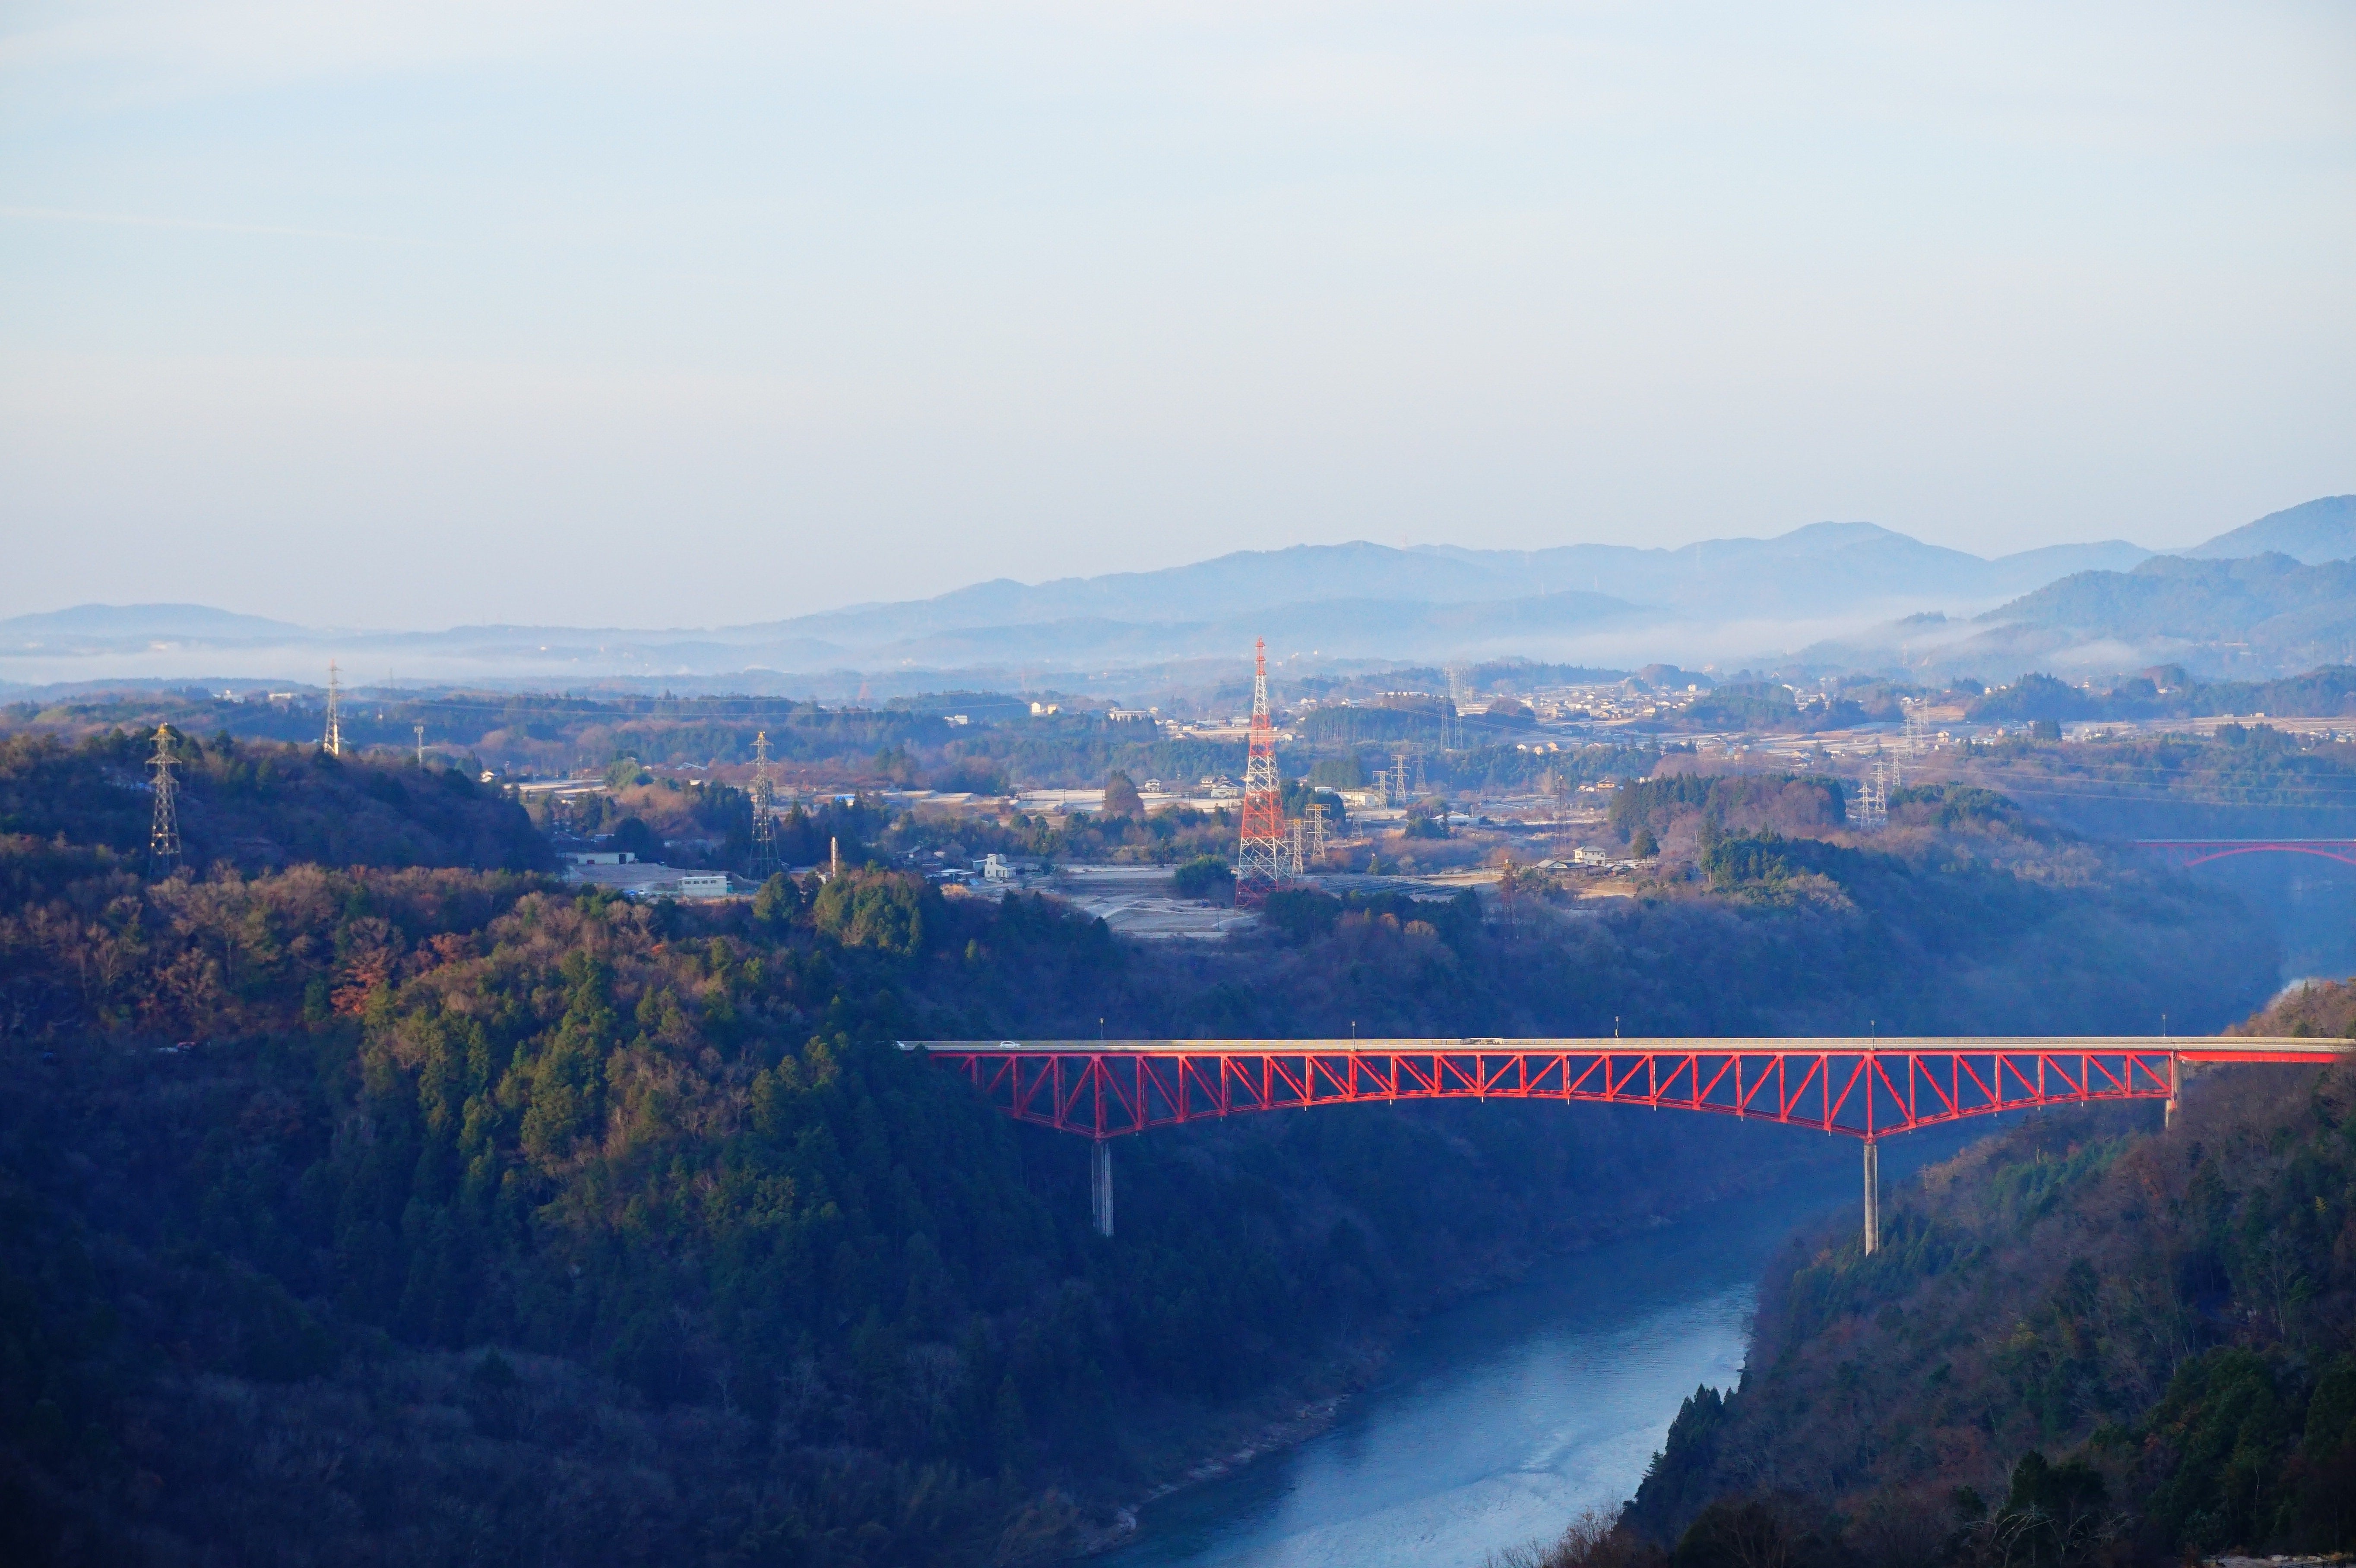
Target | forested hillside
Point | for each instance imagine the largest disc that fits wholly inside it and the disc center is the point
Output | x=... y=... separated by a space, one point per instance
x=361 y=1202
x=256 y=805
x=2089 y=1342
x=417 y=1213
x=2269 y=601
x=2245 y=779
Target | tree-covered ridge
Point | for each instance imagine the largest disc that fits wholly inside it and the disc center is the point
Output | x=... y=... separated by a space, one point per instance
x=257 y=805
x=2274 y=602
x=2167 y=692
x=1764 y=706
x=2244 y=780
x=1725 y=803
x=654 y=728
x=299 y=1159
x=2137 y=1344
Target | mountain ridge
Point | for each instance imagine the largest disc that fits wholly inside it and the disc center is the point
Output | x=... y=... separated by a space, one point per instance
x=1708 y=577
x=147 y=621
x=2311 y=533
x=1835 y=585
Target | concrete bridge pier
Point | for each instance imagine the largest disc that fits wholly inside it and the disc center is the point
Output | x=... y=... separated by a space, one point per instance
x=1872 y=1196
x=1100 y=1185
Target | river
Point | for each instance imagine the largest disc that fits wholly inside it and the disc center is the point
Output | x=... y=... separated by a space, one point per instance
x=1501 y=1418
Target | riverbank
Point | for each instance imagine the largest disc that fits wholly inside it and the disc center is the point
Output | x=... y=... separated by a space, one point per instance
x=1526 y=1300
x=2032 y=1326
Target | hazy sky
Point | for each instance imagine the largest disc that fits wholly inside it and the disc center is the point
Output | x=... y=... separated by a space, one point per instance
x=422 y=313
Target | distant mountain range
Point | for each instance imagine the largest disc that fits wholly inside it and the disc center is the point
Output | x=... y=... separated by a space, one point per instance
x=1823 y=569
x=2269 y=599
x=2317 y=531
x=109 y=624
x=1876 y=590
x=2260 y=614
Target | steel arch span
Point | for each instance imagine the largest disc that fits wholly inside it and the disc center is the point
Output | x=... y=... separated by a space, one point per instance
x=1864 y=1089
x=2190 y=852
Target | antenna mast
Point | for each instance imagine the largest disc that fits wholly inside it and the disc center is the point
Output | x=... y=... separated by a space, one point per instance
x=1260 y=854
x=334 y=742
x=765 y=802
x=164 y=834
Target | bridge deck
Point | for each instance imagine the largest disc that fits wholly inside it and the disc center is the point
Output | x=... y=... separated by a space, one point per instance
x=2184 y=1048
x=1864 y=1088
x=1867 y=1087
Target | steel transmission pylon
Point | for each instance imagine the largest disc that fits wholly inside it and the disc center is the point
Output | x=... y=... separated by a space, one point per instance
x=163 y=833
x=333 y=741
x=1916 y=735
x=1260 y=853
x=764 y=806
x=1873 y=814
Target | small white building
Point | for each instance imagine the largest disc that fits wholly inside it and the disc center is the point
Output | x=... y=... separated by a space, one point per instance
x=600 y=858
x=704 y=885
x=1586 y=855
x=995 y=869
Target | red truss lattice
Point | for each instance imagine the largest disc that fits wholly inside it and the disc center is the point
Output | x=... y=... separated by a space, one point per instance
x=1863 y=1089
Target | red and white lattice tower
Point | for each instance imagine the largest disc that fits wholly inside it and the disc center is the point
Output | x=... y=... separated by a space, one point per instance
x=1260 y=857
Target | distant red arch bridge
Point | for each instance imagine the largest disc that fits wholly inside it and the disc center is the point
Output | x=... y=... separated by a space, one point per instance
x=2190 y=852
x=1867 y=1089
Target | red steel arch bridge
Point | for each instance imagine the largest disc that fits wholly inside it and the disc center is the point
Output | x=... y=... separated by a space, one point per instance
x=2190 y=852
x=1867 y=1089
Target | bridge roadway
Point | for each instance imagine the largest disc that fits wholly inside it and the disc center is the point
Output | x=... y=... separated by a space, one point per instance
x=1864 y=1088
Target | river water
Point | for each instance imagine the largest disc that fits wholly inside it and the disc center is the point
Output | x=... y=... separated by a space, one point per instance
x=1501 y=1418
